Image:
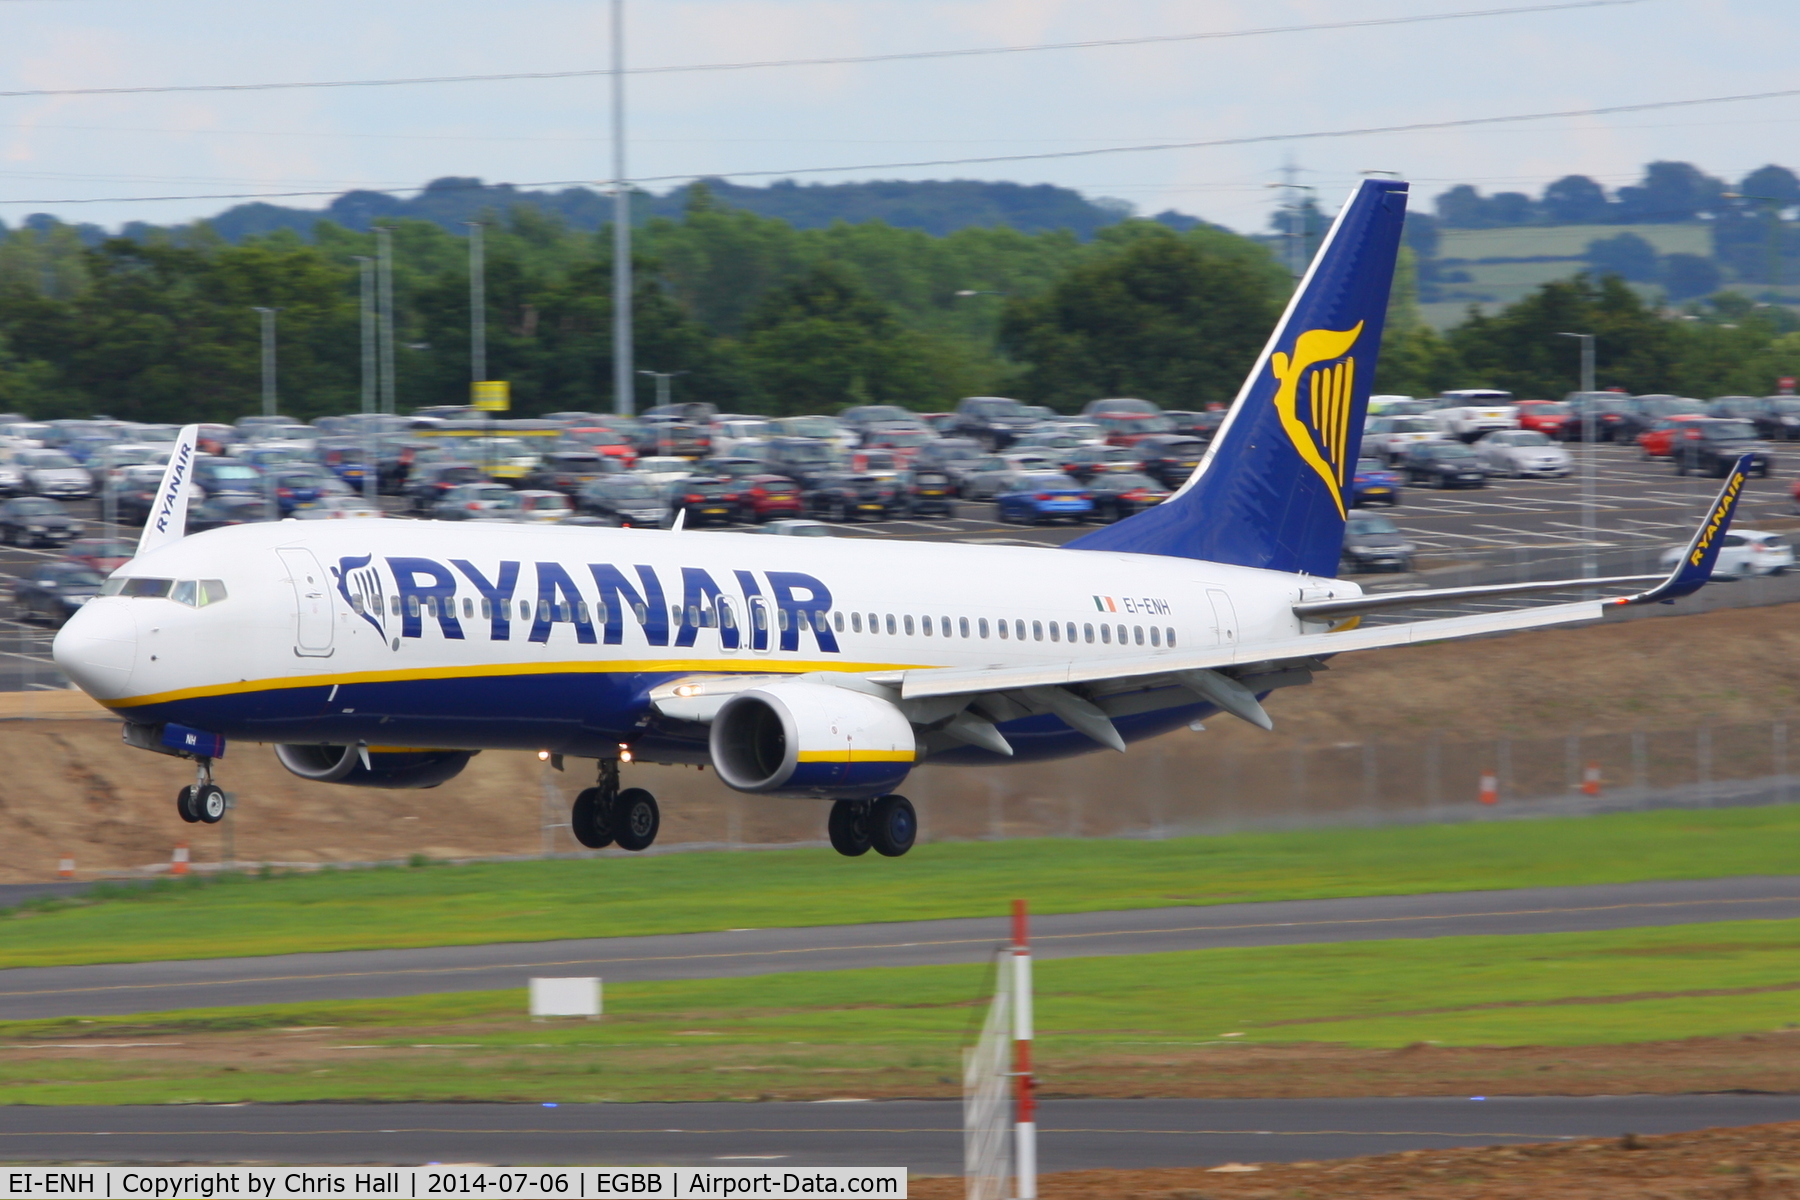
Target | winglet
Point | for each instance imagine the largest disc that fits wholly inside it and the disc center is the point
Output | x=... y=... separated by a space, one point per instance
x=1695 y=566
x=168 y=520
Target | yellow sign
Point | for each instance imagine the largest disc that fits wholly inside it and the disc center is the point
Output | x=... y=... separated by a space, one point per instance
x=491 y=395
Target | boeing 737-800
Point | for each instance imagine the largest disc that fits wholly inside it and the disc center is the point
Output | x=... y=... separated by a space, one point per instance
x=386 y=653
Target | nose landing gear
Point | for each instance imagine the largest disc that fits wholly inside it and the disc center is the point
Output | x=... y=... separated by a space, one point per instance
x=603 y=815
x=888 y=825
x=202 y=800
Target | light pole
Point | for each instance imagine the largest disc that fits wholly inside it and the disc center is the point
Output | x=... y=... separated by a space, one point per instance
x=1589 y=442
x=662 y=383
x=477 y=305
x=624 y=398
x=1296 y=230
x=384 y=250
x=371 y=467
x=268 y=357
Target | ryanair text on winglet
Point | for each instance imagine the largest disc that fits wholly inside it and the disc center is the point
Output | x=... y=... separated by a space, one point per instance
x=1721 y=513
x=429 y=1183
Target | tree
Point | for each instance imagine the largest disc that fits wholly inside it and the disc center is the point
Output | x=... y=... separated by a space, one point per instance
x=1670 y=191
x=1576 y=200
x=1772 y=183
x=1519 y=348
x=1626 y=255
x=1685 y=276
x=1165 y=318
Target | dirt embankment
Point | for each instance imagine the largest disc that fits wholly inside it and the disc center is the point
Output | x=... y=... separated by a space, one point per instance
x=72 y=790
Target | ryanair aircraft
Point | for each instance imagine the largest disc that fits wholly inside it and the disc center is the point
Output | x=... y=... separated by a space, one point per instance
x=386 y=653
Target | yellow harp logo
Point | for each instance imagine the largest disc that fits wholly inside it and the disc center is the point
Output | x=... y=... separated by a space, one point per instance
x=1322 y=433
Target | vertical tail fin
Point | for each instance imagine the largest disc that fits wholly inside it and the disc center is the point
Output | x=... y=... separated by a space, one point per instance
x=167 y=522
x=1272 y=490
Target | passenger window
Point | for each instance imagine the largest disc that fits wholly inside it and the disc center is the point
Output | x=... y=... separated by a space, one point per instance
x=1139 y=631
x=1106 y=634
x=431 y=608
x=946 y=628
x=838 y=620
x=761 y=616
x=1019 y=630
x=890 y=623
x=1037 y=631
x=1071 y=635
x=1155 y=636
x=925 y=626
x=982 y=626
x=909 y=625
x=581 y=612
x=708 y=617
x=641 y=613
x=819 y=621
x=1123 y=636
x=524 y=610
x=1055 y=633
x=1087 y=633
x=1005 y=630
x=962 y=625
x=412 y=606
x=675 y=616
x=393 y=606
x=727 y=616
x=693 y=615
x=1169 y=634
x=856 y=622
x=469 y=607
x=487 y=609
x=782 y=620
x=874 y=623
x=356 y=603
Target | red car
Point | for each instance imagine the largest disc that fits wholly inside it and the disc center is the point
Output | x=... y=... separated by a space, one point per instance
x=768 y=497
x=608 y=442
x=1549 y=417
x=1658 y=441
x=105 y=555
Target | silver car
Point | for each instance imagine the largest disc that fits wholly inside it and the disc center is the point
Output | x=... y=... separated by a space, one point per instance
x=1521 y=452
x=53 y=473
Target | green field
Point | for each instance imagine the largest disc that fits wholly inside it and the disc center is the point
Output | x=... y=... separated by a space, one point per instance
x=535 y=901
x=1105 y=1025
x=1530 y=241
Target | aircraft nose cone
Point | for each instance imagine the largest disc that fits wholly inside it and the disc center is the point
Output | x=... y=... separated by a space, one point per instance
x=97 y=648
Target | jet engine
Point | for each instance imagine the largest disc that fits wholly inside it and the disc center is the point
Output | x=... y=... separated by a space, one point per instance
x=373 y=767
x=798 y=738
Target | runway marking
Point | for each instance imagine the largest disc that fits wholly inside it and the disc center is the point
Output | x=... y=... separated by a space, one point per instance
x=1535 y=1137
x=1042 y=937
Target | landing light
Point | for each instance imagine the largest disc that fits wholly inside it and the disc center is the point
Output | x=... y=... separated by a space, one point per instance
x=543 y=756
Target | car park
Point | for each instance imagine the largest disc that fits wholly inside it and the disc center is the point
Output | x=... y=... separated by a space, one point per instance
x=848 y=496
x=1169 y=459
x=1373 y=543
x=1089 y=462
x=1379 y=405
x=674 y=438
x=1714 y=446
x=1202 y=425
x=1127 y=420
x=104 y=555
x=1658 y=441
x=798 y=528
x=337 y=508
x=133 y=493
x=802 y=459
x=1642 y=412
x=1468 y=413
x=603 y=440
x=1443 y=465
x=864 y=420
x=567 y=471
x=1037 y=497
x=1743 y=408
x=660 y=471
x=428 y=482
x=227 y=508
x=1744 y=552
x=987 y=476
x=1779 y=419
x=705 y=501
x=992 y=421
x=927 y=493
x=1121 y=494
x=821 y=429
x=53 y=473
x=1548 y=417
x=735 y=435
x=476 y=501
x=624 y=501
x=55 y=591
x=767 y=498
x=1374 y=483
x=1391 y=437
x=952 y=456
x=1518 y=453
x=292 y=488
x=1608 y=414
x=538 y=506
x=36 y=521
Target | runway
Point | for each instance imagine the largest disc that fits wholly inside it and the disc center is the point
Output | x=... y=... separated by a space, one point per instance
x=924 y=1136
x=119 y=988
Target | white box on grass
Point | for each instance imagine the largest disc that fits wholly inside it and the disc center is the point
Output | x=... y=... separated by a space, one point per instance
x=565 y=998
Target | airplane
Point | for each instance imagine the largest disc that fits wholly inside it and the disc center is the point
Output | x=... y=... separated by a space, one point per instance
x=386 y=654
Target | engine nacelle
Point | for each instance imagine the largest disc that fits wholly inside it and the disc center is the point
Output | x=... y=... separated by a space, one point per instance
x=387 y=767
x=799 y=738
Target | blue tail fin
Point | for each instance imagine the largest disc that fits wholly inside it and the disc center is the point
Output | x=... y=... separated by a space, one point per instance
x=1271 y=491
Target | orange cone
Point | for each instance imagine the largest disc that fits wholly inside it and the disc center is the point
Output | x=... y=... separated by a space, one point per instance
x=178 y=865
x=1590 y=780
x=66 y=869
x=1490 y=788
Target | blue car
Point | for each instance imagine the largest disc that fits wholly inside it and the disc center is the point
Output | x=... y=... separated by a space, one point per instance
x=1033 y=497
x=1374 y=483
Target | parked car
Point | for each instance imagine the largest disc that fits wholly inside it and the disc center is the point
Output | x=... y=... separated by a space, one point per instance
x=1374 y=483
x=1444 y=465
x=1743 y=552
x=986 y=478
x=706 y=501
x=927 y=493
x=1373 y=543
x=1658 y=441
x=845 y=496
x=1644 y=411
x=104 y=555
x=36 y=521
x=864 y=419
x=951 y=455
x=1090 y=462
x=1034 y=497
x=55 y=591
x=992 y=421
x=1390 y=437
x=293 y=488
x=1169 y=459
x=337 y=508
x=476 y=501
x=798 y=528
x=1743 y=408
x=624 y=501
x=607 y=442
x=227 y=508
x=1517 y=453
x=214 y=475
x=1121 y=494
x=1548 y=417
x=428 y=482
x=352 y=464
x=674 y=438
x=803 y=460
x=1713 y=447
x=1607 y=412
x=1202 y=425
x=767 y=498
x=567 y=471
x=1780 y=418
x=823 y=429
x=133 y=493
x=53 y=473
x=540 y=506
x=1127 y=420
x=1468 y=413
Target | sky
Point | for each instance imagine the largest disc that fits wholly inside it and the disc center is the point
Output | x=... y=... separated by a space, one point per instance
x=92 y=158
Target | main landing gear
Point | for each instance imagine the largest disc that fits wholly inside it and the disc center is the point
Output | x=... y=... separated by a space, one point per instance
x=202 y=800
x=888 y=825
x=603 y=815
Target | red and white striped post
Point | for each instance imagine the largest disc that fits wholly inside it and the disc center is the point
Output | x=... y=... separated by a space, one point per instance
x=1025 y=1128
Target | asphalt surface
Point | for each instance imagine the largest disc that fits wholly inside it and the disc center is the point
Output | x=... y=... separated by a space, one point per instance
x=923 y=1136
x=119 y=988
x=1510 y=531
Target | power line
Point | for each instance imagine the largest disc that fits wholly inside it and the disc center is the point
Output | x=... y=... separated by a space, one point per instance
x=1257 y=139
x=846 y=60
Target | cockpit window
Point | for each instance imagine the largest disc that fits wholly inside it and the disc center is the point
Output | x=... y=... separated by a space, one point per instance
x=196 y=593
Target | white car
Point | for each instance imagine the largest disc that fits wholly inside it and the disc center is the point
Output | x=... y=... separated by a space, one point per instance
x=1521 y=452
x=1389 y=437
x=1745 y=552
x=658 y=470
x=828 y=429
x=740 y=436
x=1380 y=404
x=1471 y=412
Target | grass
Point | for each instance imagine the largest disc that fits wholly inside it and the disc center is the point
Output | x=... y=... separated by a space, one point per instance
x=1111 y=1023
x=536 y=901
x=1529 y=241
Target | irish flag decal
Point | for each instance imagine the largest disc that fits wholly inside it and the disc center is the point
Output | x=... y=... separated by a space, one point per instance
x=1105 y=604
